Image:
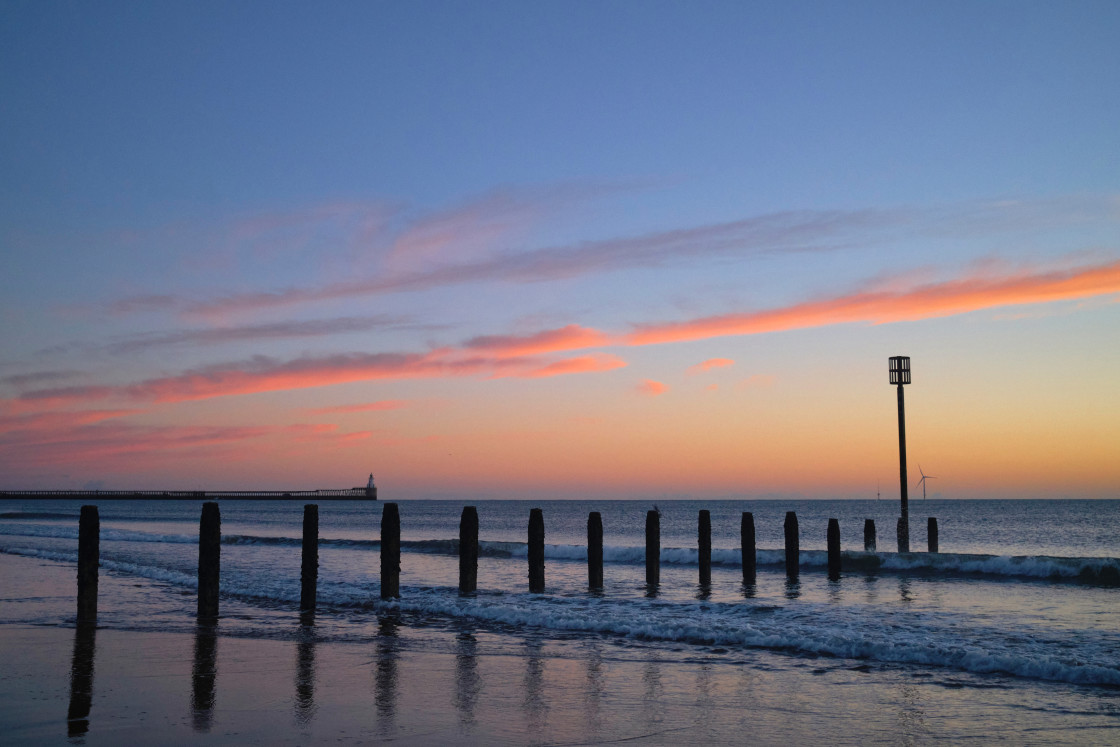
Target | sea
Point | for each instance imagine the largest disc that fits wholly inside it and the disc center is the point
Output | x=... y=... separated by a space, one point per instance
x=1023 y=598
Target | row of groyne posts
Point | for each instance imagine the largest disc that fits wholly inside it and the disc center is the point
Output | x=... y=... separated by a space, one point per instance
x=209 y=553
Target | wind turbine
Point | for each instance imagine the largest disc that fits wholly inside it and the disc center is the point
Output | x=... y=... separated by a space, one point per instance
x=922 y=482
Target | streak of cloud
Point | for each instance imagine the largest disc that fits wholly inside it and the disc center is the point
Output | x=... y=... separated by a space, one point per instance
x=382 y=405
x=473 y=229
x=584 y=364
x=571 y=337
x=709 y=364
x=652 y=388
x=875 y=306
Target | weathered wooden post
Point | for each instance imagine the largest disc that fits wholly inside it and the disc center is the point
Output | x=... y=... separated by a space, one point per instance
x=746 y=538
x=536 y=551
x=390 y=552
x=89 y=557
x=869 y=543
x=834 y=549
x=468 y=550
x=209 y=559
x=653 y=547
x=931 y=533
x=793 y=545
x=309 y=567
x=704 y=546
x=594 y=550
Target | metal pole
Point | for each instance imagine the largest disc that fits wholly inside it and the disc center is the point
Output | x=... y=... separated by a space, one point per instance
x=904 y=521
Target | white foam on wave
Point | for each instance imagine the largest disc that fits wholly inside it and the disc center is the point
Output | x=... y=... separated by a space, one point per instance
x=872 y=632
x=862 y=632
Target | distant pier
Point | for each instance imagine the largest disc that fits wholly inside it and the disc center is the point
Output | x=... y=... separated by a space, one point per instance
x=346 y=494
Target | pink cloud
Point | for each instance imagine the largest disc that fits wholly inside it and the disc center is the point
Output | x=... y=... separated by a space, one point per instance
x=652 y=388
x=875 y=306
x=709 y=364
x=385 y=404
x=60 y=419
x=585 y=364
x=571 y=337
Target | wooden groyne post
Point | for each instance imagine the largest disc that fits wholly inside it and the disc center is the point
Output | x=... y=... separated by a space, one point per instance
x=793 y=545
x=594 y=550
x=653 y=547
x=209 y=559
x=746 y=538
x=931 y=533
x=536 y=551
x=89 y=557
x=704 y=546
x=309 y=567
x=834 y=549
x=869 y=543
x=390 y=552
x=468 y=550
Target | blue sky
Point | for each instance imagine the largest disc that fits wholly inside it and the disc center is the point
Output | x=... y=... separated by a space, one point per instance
x=246 y=186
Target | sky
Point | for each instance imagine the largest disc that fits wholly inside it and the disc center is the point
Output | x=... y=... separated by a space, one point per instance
x=560 y=250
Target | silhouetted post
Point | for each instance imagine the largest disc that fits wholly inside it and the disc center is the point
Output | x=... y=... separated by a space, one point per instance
x=793 y=545
x=834 y=549
x=594 y=550
x=89 y=556
x=900 y=376
x=931 y=533
x=468 y=550
x=536 y=551
x=209 y=559
x=390 y=552
x=869 y=543
x=746 y=539
x=704 y=546
x=653 y=547
x=309 y=568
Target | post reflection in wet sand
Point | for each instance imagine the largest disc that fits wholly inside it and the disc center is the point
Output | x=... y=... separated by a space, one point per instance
x=467 y=681
x=81 y=680
x=535 y=703
x=204 y=673
x=596 y=686
x=385 y=675
x=653 y=691
x=305 y=669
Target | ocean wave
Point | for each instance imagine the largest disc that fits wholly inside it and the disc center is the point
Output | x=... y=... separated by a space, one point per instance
x=1092 y=569
x=872 y=632
x=37 y=515
x=868 y=632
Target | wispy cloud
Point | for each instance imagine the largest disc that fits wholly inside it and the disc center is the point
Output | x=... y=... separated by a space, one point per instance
x=385 y=404
x=264 y=374
x=652 y=388
x=875 y=306
x=991 y=286
x=258 y=332
x=709 y=364
x=776 y=233
x=38 y=378
x=571 y=337
x=597 y=363
x=468 y=243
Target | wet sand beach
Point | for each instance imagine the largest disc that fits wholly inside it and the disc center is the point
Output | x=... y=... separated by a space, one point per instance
x=410 y=685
